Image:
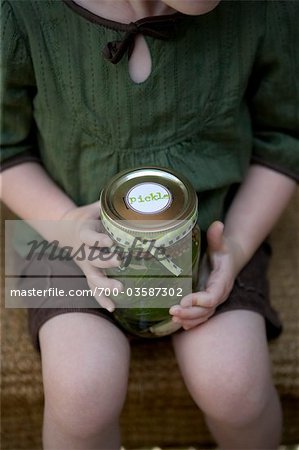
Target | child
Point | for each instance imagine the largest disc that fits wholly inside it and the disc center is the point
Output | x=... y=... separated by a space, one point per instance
x=209 y=89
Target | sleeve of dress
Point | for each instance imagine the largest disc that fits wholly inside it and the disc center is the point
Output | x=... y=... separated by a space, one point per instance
x=18 y=142
x=274 y=92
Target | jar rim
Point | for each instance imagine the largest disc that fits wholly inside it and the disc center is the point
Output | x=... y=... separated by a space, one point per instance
x=162 y=200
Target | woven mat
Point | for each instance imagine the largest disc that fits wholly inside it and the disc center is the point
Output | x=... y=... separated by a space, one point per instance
x=284 y=277
x=282 y=447
x=158 y=410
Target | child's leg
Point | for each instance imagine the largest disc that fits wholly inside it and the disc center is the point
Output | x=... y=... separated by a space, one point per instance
x=226 y=367
x=85 y=361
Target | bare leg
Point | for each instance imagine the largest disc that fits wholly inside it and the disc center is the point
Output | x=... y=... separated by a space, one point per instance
x=226 y=367
x=85 y=361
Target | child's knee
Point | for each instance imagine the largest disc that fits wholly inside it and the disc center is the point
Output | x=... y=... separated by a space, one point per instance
x=237 y=398
x=82 y=404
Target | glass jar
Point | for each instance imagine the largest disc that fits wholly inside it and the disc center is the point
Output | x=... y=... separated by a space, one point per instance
x=151 y=215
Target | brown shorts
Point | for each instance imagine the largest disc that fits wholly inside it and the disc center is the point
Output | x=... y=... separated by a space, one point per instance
x=250 y=292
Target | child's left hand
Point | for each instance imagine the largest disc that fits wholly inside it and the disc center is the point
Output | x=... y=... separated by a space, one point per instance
x=198 y=307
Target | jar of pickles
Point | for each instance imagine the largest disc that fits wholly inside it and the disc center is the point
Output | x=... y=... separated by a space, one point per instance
x=151 y=215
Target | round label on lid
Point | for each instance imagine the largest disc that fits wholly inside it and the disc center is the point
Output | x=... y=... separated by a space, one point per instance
x=148 y=198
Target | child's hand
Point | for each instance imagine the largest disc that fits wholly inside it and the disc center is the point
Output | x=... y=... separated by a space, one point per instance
x=81 y=226
x=198 y=307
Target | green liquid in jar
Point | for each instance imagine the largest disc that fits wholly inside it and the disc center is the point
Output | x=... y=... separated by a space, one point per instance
x=149 y=316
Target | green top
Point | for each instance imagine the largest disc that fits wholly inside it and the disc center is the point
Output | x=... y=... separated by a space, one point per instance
x=223 y=91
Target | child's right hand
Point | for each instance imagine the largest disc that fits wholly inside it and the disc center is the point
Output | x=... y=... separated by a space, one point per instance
x=45 y=207
x=81 y=226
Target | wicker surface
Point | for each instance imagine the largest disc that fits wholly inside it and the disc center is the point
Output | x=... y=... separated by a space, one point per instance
x=158 y=410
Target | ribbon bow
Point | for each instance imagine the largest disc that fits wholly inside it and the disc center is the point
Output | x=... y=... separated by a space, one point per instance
x=162 y=27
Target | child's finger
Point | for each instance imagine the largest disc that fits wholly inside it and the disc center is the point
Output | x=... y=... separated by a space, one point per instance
x=99 y=293
x=104 y=260
x=98 y=278
x=94 y=238
x=193 y=312
x=103 y=300
x=101 y=281
x=217 y=289
x=205 y=299
x=215 y=237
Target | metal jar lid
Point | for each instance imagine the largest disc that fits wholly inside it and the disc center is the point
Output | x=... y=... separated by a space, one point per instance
x=136 y=199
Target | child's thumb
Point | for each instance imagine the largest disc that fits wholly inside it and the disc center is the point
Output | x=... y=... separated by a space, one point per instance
x=215 y=237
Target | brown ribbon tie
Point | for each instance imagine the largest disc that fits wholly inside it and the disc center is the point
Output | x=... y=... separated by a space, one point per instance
x=161 y=27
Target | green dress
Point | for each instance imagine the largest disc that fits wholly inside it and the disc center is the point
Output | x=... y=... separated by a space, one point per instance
x=223 y=93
